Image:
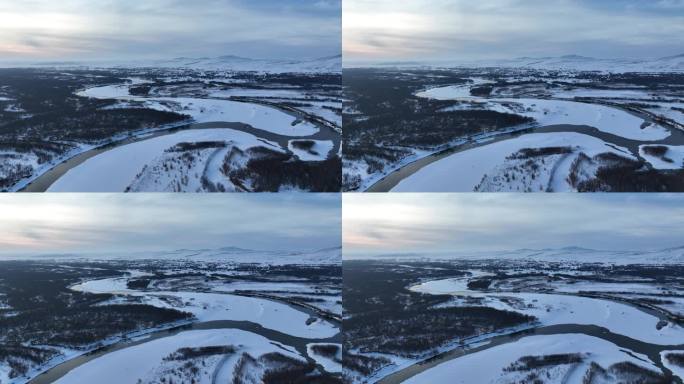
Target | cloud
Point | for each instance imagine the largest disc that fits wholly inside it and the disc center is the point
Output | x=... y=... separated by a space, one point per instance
x=465 y=30
x=127 y=29
x=117 y=222
x=467 y=222
x=671 y=4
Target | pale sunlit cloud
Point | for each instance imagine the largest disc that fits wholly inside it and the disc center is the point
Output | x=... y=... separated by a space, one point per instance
x=162 y=29
x=436 y=223
x=377 y=30
x=64 y=223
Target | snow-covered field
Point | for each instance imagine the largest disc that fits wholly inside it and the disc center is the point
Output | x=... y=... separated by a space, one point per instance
x=455 y=92
x=117 y=169
x=203 y=284
x=328 y=111
x=556 y=293
x=633 y=94
x=553 y=309
x=555 y=112
x=605 y=119
x=221 y=306
x=464 y=171
x=318 y=152
x=676 y=369
x=324 y=297
x=266 y=93
x=567 y=100
x=490 y=365
x=572 y=257
x=228 y=257
x=212 y=110
x=203 y=96
x=227 y=64
x=150 y=362
x=672 y=159
x=330 y=365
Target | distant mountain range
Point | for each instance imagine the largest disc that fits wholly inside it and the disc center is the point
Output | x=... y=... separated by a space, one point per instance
x=569 y=254
x=584 y=63
x=328 y=64
x=568 y=62
x=234 y=255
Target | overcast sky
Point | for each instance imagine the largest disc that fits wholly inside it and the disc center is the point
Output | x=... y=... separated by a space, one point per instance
x=423 y=30
x=160 y=29
x=64 y=223
x=433 y=223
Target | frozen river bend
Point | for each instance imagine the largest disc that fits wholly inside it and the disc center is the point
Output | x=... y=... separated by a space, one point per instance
x=513 y=130
x=228 y=352
x=195 y=159
x=280 y=132
x=579 y=138
x=578 y=354
x=209 y=306
x=201 y=316
x=554 y=321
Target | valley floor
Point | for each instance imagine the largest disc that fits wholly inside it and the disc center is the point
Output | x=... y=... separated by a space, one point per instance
x=568 y=131
x=252 y=322
x=581 y=322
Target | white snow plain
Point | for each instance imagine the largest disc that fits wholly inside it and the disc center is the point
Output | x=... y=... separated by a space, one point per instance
x=328 y=364
x=554 y=309
x=605 y=119
x=212 y=110
x=230 y=257
x=487 y=366
x=463 y=171
x=674 y=153
x=141 y=362
x=677 y=370
x=114 y=170
x=555 y=112
x=318 y=152
x=221 y=306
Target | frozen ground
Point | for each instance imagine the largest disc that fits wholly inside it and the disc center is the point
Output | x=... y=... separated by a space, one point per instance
x=328 y=111
x=264 y=102
x=673 y=158
x=151 y=362
x=575 y=63
x=573 y=256
x=119 y=168
x=222 y=306
x=227 y=64
x=514 y=289
x=455 y=92
x=321 y=296
x=212 y=110
x=493 y=365
x=605 y=119
x=631 y=94
x=200 y=283
x=552 y=309
x=317 y=152
x=556 y=112
x=228 y=257
x=492 y=167
x=329 y=364
x=677 y=370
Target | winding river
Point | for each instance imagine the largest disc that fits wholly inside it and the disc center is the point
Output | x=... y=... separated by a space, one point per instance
x=299 y=343
x=53 y=374
x=43 y=182
x=388 y=182
x=647 y=349
x=652 y=351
